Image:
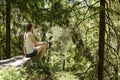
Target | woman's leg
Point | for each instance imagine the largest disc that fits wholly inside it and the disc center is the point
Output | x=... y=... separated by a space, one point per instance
x=41 y=53
x=41 y=50
x=43 y=43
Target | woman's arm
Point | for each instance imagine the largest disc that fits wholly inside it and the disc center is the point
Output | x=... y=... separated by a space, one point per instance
x=24 y=50
x=31 y=36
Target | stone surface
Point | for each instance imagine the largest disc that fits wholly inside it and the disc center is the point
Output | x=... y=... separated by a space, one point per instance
x=16 y=61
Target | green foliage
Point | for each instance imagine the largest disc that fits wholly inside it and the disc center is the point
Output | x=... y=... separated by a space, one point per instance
x=74 y=27
x=2 y=40
x=65 y=76
x=13 y=74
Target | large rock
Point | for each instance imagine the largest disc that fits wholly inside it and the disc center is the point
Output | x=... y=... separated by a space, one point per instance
x=16 y=61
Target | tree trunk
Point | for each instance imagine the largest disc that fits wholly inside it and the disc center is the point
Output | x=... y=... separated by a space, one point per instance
x=116 y=71
x=63 y=65
x=101 y=40
x=8 y=11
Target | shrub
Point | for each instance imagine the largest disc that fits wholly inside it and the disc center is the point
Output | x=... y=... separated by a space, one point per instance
x=13 y=73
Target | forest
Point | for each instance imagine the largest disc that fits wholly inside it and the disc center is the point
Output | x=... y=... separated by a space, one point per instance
x=85 y=36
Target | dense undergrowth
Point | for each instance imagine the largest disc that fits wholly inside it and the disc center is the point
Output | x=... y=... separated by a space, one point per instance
x=35 y=74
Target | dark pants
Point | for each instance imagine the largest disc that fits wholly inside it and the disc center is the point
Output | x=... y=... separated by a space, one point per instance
x=34 y=53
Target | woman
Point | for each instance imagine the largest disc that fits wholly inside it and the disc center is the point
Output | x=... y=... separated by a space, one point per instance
x=31 y=46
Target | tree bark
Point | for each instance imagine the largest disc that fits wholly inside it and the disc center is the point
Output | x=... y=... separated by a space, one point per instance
x=101 y=40
x=8 y=11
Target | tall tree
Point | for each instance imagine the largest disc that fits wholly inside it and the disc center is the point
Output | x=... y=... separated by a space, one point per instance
x=8 y=11
x=101 y=40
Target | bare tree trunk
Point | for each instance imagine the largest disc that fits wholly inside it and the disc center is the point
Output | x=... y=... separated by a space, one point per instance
x=0 y=52
x=101 y=40
x=63 y=65
x=8 y=11
x=116 y=71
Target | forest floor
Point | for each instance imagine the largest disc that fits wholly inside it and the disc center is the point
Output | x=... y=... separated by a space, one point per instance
x=47 y=73
x=33 y=72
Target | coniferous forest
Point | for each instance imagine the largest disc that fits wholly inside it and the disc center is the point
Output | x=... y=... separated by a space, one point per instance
x=85 y=37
